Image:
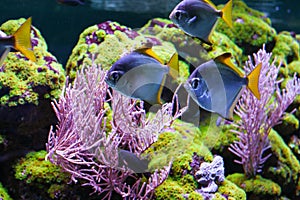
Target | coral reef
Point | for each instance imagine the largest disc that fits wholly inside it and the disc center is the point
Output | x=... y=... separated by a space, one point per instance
x=3 y=193
x=26 y=91
x=42 y=175
x=256 y=185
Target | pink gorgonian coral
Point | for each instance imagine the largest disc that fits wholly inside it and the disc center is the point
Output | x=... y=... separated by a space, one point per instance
x=96 y=128
x=258 y=116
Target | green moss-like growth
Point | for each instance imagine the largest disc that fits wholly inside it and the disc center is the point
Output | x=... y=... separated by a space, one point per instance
x=288 y=166
x=251 y=28
x=286 y=50
x=23 y=81
x=42 y=174
x=257 y=185
x=227 y=188
x=3 y=193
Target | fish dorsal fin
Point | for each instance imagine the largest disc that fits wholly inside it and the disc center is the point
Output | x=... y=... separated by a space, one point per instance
x=211 y=4
x=174 y=65
x=227 y=13
x=253 y=80
x=225 y=58
x=22 y=40
x=147 y=50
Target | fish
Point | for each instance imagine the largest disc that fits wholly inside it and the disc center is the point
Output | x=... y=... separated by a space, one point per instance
x=197 y=18
x=216 y=85
x=20 y=41
x=141 y=74
x=130 y=160
x=71 y=2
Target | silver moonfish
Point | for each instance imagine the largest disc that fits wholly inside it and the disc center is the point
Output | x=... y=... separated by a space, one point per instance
x=216 y=85
x=19 y=41
x=197 y=18
x=141 y=75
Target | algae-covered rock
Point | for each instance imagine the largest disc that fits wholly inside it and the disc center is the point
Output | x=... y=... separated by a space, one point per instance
x=251 y=28
x=23 y=81
x=287 y=171
x=3 y=193
x=26 y=91
x=286 y=50
x=260 y=187
x=106 y=42
x=41 y=177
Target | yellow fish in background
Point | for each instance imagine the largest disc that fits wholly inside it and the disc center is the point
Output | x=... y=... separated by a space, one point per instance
x=197 y=18
x=142 y=75
x=216 y=85
x=19 y=41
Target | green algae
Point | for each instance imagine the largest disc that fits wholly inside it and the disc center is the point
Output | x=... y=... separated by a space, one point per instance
x=231 y=190
x=256 y=185
x=23 y=81
x=289 y=165
x=251 y=28
x=36 y=171
x=285 y=51
x=3 y=193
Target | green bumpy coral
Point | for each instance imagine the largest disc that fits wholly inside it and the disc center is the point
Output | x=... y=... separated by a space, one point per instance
x=256 y=185
x=105 y=43
x=180 y=146
x=251 y=28
x=36 y=171
x=23 y=81
x=3 y=193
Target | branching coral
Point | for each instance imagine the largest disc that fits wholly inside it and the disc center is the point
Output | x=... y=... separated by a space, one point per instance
x=257 y=117
x=84 y=146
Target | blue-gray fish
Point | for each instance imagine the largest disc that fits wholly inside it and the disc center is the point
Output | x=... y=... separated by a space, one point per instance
x=141 y=75
x=19 y=41
x=216 y=85
x=197 y=18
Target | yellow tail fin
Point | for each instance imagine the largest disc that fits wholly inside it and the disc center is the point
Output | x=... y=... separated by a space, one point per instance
x=174 y=65
x=253 y=80
x=22 y=40
x=226 y=13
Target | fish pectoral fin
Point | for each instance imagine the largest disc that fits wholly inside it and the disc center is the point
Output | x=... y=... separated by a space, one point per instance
x=22 y=40
x=192 y=20
x=174 y=66
x=253 y=80
x=227 y=13
x=160 y=90
x=225 y=58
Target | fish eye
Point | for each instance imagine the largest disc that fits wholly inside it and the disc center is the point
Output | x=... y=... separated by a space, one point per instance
x=114 y=76
x=195 y=83
x=177 y=14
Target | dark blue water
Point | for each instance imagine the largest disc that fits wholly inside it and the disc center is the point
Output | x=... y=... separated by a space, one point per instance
x=61 y=25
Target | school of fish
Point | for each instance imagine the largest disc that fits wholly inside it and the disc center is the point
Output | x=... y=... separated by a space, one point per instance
x=215 y=85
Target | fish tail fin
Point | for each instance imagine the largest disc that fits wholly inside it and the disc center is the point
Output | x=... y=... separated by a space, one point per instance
x=22 y=40
x=227 y=13
x=174 y=66
x=253 y=80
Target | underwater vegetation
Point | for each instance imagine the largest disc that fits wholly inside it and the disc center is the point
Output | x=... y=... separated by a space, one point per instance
x=103 y=145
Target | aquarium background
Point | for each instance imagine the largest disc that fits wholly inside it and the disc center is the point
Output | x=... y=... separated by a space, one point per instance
x=61 y=24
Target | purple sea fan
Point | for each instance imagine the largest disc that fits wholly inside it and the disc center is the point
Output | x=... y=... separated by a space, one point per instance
x=257 y=117
x=83 y=146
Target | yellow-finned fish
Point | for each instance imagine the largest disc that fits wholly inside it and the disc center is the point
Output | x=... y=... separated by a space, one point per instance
x=197 y=18
x=141 y=75
x=216 y=85
x=19 y=41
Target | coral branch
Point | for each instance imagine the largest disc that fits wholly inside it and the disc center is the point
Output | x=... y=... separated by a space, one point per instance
x=257 y=117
